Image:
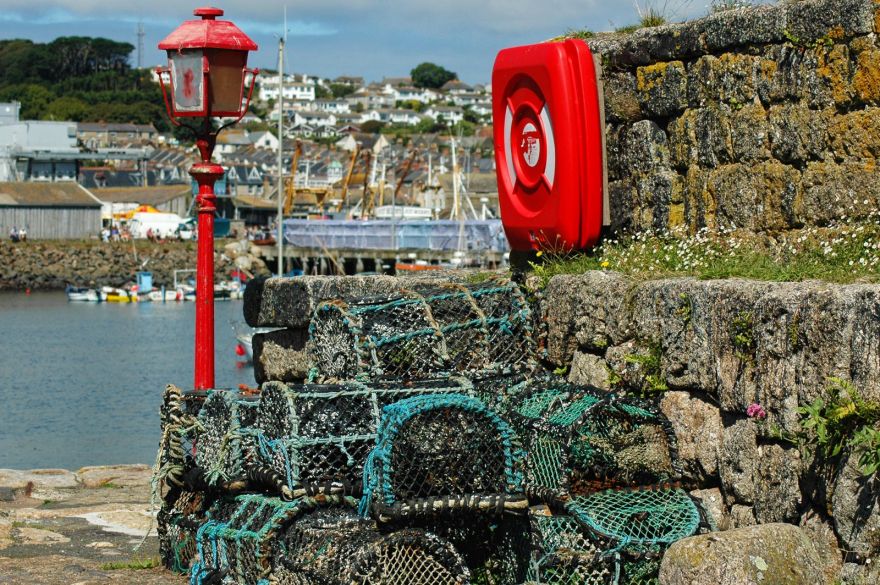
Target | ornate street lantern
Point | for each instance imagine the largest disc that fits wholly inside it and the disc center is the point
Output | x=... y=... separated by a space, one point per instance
x=205 y=80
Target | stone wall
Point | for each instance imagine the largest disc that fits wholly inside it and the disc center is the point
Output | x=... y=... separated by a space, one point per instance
x=47 y=265
x=710 y=349
x=764 y=118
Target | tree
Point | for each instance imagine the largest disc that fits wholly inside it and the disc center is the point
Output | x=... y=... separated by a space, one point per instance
x=340 y=90
x=322 y=93
x=431 y=76
x=372 y=126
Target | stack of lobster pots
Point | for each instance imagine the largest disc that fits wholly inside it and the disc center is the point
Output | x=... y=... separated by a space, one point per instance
x=404 y=432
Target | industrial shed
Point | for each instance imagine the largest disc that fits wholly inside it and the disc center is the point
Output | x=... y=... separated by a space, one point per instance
x=167 y=198
x=49 y=211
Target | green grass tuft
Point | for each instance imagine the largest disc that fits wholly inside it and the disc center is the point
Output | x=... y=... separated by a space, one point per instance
x=132 y=564
x=843 y=253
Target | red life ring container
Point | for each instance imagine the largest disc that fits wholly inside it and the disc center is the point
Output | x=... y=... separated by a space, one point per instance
x=549 y=145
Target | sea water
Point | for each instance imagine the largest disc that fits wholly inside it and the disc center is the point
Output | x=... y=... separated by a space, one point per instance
x=81 y=383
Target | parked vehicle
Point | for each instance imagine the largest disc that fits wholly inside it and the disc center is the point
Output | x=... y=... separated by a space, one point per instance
x=159 y=225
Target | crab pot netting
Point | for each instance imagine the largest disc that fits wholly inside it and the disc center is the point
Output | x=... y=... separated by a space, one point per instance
x=421 y=333
x=495 y=548
x=619 y=534
x=438 y=452
x=580 y=440
x=177 y=417
x=316 y=438
x=562 y=554
x=238 y=540
x=220 y=439
x=178 y=521
x=407 y=557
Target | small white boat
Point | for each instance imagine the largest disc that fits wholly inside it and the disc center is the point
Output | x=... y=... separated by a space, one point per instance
x=83 y=294
x=245 y=346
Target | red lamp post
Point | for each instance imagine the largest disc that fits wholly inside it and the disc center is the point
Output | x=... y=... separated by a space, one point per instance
x=205 y=79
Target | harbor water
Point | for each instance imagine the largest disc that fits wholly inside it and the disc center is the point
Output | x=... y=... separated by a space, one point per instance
x=81 y=383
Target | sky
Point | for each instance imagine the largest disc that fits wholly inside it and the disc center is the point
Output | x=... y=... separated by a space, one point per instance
x=328 y=38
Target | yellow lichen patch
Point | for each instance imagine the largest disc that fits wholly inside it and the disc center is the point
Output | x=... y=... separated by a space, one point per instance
x=836 y=33
x=856 y=135
x=833 y=66
x=650 y=76
x=877 y=16
x=676 y=215
x=866 y=81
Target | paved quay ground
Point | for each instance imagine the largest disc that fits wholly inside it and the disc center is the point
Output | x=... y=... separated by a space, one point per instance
x=60 y=527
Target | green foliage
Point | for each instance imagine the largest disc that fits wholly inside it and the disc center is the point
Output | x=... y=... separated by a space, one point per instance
x=414 y=105
x=823 y=41
x=81 y=79
x=743 y=333
x=431 y=75
x=841 y=421
x=322 y=93
x=582 y=34
x=841 y=253
x=650 y=363
x=685 y=308
x=372 y=126
x=340 y=90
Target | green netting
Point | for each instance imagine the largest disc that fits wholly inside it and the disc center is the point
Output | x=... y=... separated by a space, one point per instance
x=438 y=452
x=637 y=520
x=418 y=334
x=581 y=440
x=562 y=554
x=177 y=522
x=236 y=541
x=219 y=441
x=316 y=438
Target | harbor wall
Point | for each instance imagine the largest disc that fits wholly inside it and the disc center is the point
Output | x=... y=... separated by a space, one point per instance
x=49 y=265
x=764 y=118
x=708 y=351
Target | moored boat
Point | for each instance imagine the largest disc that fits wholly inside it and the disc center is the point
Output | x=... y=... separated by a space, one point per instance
x=83 y=294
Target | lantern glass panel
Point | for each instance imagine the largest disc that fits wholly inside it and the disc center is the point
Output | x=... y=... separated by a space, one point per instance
x=188 y=80
x=226 y=85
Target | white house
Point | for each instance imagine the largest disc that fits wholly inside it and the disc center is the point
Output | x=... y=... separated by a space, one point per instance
x=409 y=93
x=333 y=106
x=303 y=92
x=395 y=116
x=265 y=140
x=315 y=119
x=449 y=114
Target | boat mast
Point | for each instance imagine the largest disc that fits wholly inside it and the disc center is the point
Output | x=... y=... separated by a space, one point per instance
x=280 y=220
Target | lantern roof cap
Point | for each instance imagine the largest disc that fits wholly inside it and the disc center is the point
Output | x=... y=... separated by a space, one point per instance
x=207 y=33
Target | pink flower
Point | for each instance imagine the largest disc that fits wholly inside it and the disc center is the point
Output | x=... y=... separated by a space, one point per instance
x=755 y=410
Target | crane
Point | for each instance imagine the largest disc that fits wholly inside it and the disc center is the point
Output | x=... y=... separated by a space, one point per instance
x=291 y=185
x=354 y=155
x=405 y=173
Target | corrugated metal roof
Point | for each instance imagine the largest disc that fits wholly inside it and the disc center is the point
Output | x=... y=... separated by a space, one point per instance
x=62 y=194
x=142 y=195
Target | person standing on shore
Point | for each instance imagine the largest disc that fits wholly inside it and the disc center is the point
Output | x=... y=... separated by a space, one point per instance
x=22 y=234
x=13 y=234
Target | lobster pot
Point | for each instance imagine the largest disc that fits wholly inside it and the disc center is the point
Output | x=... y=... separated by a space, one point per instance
x=238 y=541
x=318 y=547
x=202 y=437
x=221 y=440
x=408 y=557
x=418 y=334
x=439 y=452
x=495 y=548
x=509 y=327
x=316 y=438
x=386 y=338
x=178 y=521
x=563 y=554
x=637 y=521
x=581 y=440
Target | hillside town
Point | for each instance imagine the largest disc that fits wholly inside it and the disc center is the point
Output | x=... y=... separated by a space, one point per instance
x=349 y=146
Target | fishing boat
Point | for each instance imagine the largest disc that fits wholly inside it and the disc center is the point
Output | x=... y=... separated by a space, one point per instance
x=83 y=294
x=117 y=295
x=245 y=347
